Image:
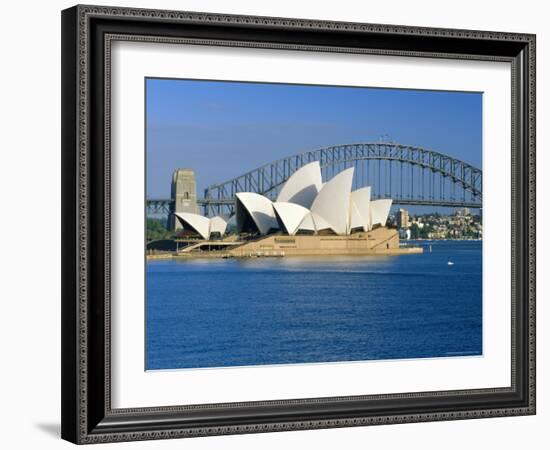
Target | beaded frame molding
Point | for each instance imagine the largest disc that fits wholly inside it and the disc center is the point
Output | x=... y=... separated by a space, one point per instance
x=87 y=34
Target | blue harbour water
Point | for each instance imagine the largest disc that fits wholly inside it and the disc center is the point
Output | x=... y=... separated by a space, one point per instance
x=240 y=312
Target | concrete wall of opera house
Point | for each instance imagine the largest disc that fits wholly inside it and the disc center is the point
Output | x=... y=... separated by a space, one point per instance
x=380 y=241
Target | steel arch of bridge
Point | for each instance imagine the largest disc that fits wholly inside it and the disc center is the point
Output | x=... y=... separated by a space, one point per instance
x=450 y=173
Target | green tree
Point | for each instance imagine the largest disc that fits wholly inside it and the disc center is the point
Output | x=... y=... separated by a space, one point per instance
x=156 y=229
x=415 y=231
x=425 y=231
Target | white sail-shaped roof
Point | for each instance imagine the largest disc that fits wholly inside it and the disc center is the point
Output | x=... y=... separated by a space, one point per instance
x=196 y=222
x=360 y=209
x=218 y=225
x=303 y=186
x=355 y=218
x=307 y=223
x=259 y=208
x=379 y=211
x=320 y=223
x=291 y=215
x=333 y=202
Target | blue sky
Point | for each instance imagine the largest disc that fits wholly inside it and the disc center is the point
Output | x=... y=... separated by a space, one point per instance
x=223 y=129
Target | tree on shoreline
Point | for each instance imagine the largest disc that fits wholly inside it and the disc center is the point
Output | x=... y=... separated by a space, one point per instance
x=156 y=229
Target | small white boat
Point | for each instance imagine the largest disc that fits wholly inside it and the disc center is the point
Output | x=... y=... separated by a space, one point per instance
x=450 y=263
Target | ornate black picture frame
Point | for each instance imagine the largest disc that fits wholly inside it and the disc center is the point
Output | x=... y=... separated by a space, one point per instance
x=87 y=415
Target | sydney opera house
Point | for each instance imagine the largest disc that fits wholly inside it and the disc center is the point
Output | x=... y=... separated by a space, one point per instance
x=308 y=217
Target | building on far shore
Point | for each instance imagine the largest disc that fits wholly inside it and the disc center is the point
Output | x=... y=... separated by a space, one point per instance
x=403 y=219
x=462 y=212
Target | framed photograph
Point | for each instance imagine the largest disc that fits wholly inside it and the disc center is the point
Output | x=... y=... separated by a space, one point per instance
x=280 y=224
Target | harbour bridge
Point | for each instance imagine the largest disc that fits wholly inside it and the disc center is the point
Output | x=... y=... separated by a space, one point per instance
x=407 y=174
